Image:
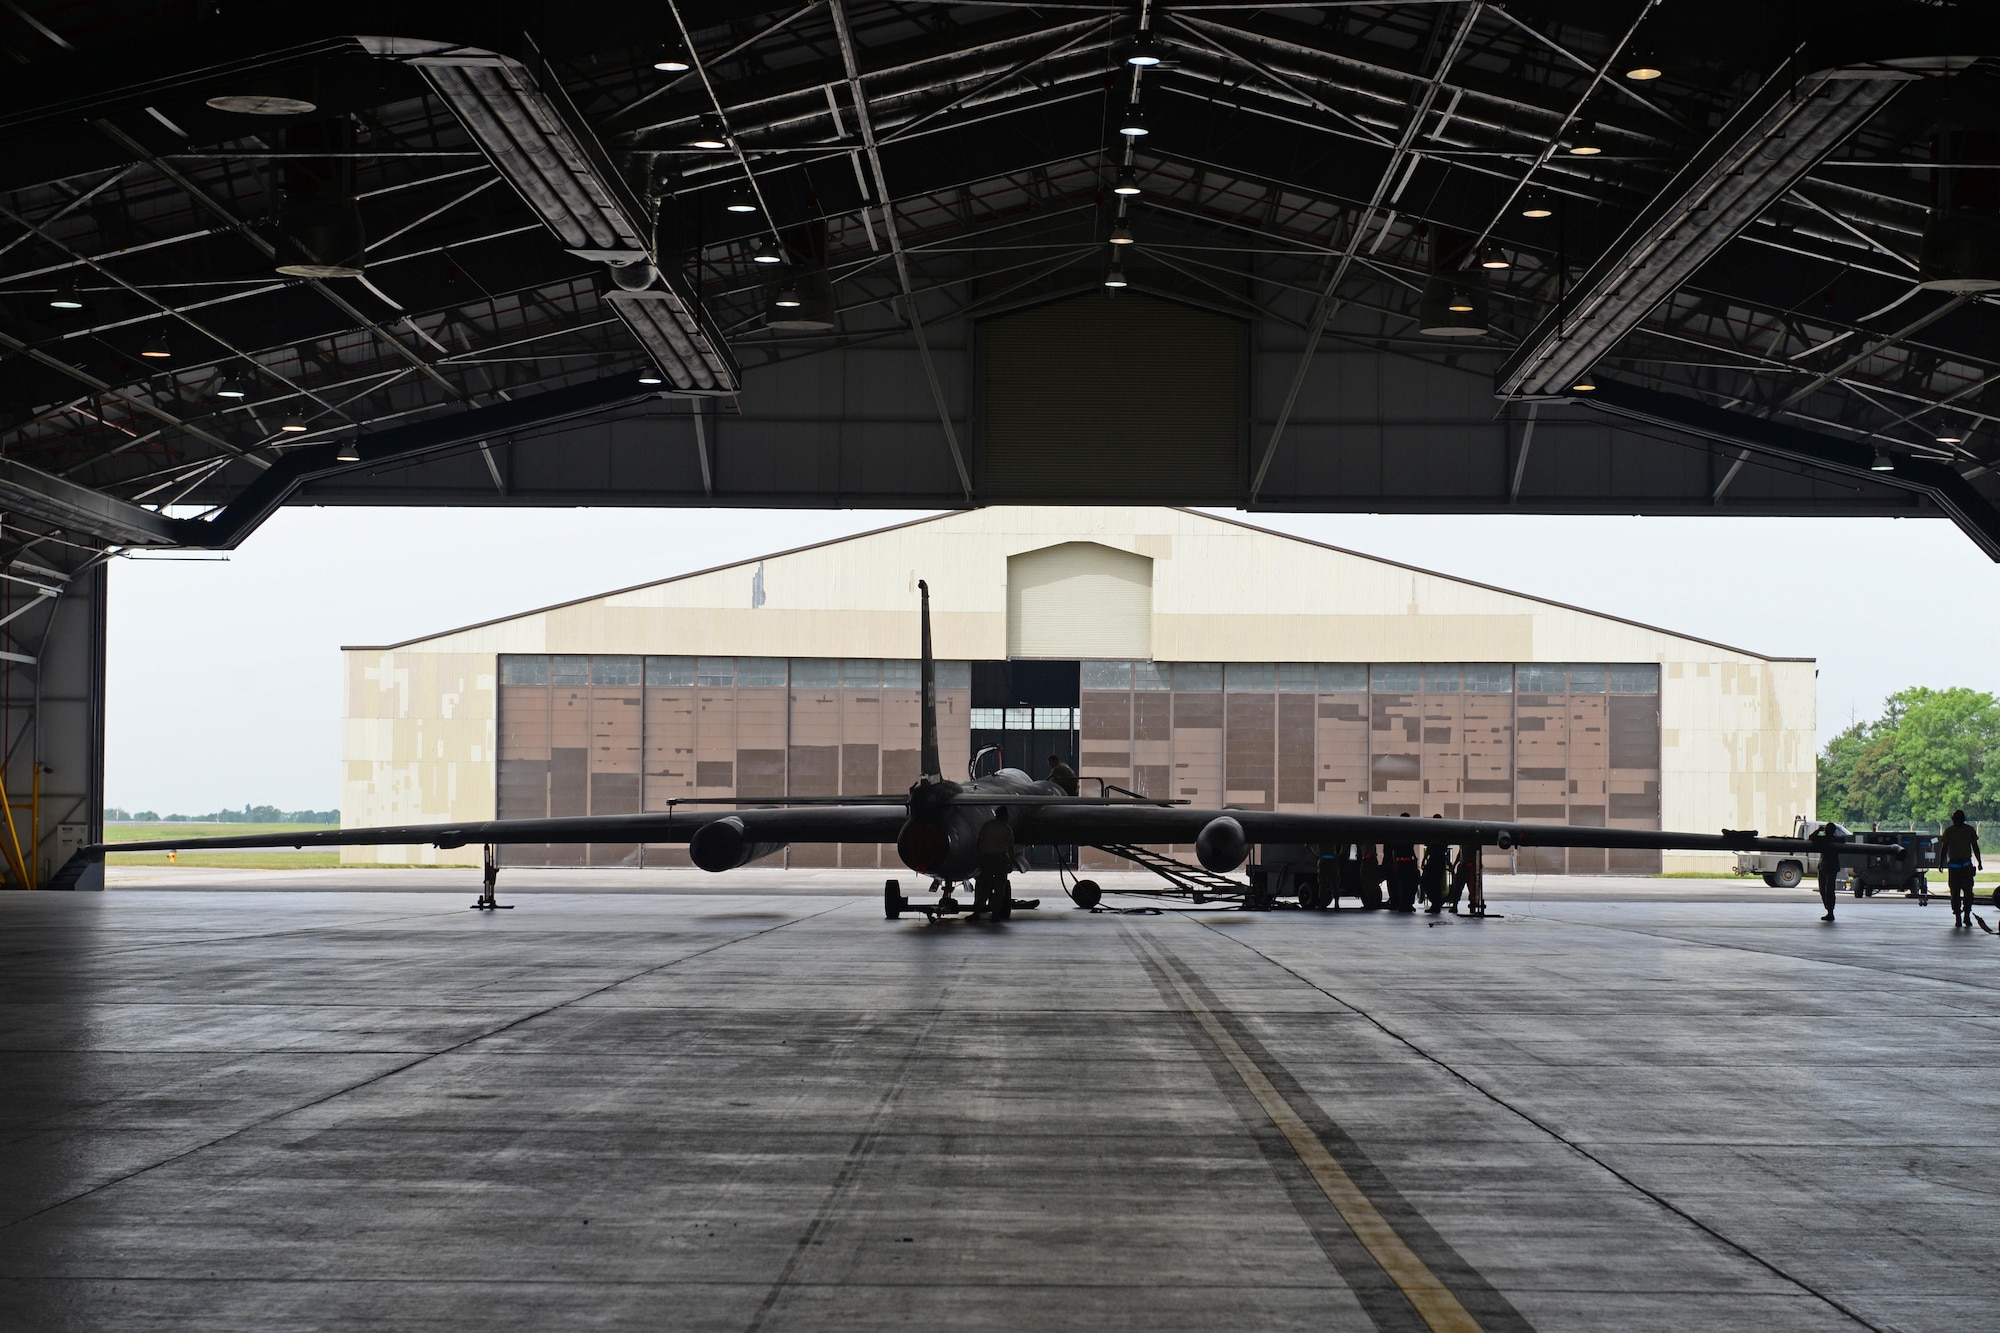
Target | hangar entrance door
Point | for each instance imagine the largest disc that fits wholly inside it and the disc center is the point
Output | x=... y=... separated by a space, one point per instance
x=1029 y=710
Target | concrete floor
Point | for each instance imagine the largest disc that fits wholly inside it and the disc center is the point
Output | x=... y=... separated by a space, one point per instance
x=1647 y=1106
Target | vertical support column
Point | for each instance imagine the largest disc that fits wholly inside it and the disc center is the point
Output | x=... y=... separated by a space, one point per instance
x=52 y=703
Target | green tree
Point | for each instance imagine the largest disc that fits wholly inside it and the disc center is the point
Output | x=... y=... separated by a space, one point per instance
x=1931 y=752
x=1948 y=747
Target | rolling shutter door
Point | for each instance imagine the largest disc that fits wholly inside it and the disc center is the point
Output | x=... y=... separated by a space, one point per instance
x=1132 y=401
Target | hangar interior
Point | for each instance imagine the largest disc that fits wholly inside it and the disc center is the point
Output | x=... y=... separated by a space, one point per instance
x=1163 y=651
x=1416 y=257
x=1050 y=266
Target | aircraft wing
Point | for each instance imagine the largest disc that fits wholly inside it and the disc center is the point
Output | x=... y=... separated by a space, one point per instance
x=1062 y=823
x=812 y=823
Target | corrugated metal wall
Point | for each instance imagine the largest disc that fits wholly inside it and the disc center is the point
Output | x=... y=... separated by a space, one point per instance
x=615 y=735
x=1543 y=743
x=1132 y=400
x=1552 y=744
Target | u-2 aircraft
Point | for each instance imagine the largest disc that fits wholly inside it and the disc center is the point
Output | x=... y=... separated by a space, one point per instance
x=973 y=834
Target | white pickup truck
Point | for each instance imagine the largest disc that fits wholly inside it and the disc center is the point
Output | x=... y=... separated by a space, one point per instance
x=1785 y=870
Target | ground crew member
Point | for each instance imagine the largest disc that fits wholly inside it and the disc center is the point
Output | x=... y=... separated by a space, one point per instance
x=1465 y=883
x=1829 y=871
x=1437 y=869
x=1402 y=877
x=1062 y=775
x=1958 y=851
x=1368 y=876
x=993 y=892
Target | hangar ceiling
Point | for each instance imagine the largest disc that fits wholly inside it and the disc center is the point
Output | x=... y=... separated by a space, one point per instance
x=508 y=254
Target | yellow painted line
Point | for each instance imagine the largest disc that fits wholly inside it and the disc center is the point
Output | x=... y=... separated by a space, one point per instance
x=1431 y=1297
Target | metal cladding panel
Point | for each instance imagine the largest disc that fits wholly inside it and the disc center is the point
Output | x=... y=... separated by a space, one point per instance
x=1129 y=400
x=1250 y=767
x=1079 y=600
x=1340 y=775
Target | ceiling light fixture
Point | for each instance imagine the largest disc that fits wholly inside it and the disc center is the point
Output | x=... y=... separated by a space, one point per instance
x=1144 y=51
x=1536 y=205
x=740 y=200
x=321 y=237
x=1452 y=306
x=66 y=297
x=763 y=256
x=1883 y=462
x=708 y=132
x=672 y=58
x=349 y=451
x=294 y=423
x=1121 y=234
x=1493 y=257
x=156 y=347
x=1584 y=148
x=1950 y=437
x=787 y=297
x=1585 y=383
x=1641 y=66
x=1128 y=182
x=261 y=104
x=232 y=388
x=1114 y=277
x=1133 y=123
x=651 y=375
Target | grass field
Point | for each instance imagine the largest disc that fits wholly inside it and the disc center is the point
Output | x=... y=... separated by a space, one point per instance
x=258 y=860
x=316 y=858
x=145 y=832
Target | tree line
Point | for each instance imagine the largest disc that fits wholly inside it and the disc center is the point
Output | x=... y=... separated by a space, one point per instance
x=249 y=814
x=1930 y=753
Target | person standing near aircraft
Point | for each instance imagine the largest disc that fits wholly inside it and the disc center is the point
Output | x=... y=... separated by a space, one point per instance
x=1062 y=775
x=1958 y=852
x=1402 y=876
x=1829 y=872
x=1437 y=869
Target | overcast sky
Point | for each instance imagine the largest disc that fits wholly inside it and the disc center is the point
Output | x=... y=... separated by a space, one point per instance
x=225 y=674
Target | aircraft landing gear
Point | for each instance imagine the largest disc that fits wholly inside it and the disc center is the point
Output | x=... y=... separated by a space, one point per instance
x=489 y=877
x=893 y=901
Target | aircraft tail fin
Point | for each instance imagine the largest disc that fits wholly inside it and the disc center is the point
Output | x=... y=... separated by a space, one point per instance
x=933 y=767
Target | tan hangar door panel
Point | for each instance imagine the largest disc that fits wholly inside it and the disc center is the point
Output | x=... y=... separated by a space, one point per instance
x=1079 y=600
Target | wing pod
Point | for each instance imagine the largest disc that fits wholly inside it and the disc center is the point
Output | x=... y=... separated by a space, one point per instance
x=1221 y=845
x=724 y=844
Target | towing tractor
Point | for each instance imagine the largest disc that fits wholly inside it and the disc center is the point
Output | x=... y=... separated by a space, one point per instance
x=1864 y=875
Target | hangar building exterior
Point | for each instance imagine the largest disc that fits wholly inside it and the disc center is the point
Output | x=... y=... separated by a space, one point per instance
x=1162 y=650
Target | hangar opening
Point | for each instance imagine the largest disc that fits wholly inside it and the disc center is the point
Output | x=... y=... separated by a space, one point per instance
x=1349 y=686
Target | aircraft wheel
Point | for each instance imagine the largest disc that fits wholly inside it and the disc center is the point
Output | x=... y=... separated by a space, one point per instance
x=1085 y=894
x=892 y=899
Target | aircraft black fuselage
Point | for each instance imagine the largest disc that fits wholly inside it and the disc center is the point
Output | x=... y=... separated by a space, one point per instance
x=941 y=837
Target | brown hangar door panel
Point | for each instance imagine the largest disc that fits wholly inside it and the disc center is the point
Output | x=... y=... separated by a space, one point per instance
x=1128 y=400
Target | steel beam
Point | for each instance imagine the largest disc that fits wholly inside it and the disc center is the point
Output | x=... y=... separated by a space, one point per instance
x=1957 y=498
x=1786 y=129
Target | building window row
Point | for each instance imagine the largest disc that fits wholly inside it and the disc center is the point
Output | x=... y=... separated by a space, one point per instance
x=1382 y=678
x=812 y=673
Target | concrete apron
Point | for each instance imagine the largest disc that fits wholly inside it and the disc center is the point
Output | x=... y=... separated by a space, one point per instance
x=234 y=1110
